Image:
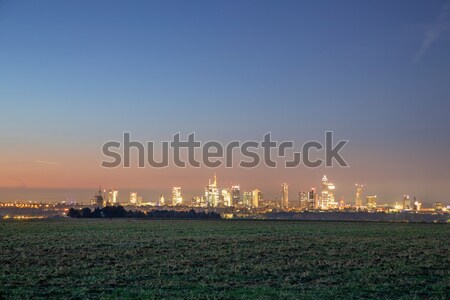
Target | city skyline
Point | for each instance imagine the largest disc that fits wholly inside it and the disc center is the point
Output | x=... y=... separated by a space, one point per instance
x=325 y=196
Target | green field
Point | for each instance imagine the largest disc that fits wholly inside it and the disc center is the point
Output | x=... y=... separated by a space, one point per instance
x=223 y=259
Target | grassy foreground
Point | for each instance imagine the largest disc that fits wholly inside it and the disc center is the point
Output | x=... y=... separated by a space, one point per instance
x=223 y=259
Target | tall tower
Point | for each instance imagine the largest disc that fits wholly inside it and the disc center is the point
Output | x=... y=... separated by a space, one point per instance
x=303 y=200
x=406 y=202
x=98 y=198
x=326 y=200
x=176 y=196
x=417 y=205
x=247 y=199
x=324 y=193
x=112 y=197
x=284 y=196
x=133 y=198
x=212 y=193
x=226 y=198
x=312 y=199
x=256 y=198
x=371 y=202
x=358 y=197
x=235 y=195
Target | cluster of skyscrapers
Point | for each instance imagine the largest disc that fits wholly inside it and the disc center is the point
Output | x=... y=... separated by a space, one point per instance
x=228 y=197
x=215 y=197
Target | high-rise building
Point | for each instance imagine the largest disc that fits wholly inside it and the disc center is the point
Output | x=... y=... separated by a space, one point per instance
x=303 y=200
x=326 y=199
x=312 y=203
x=406 y=202
x=161 y=200
x=371 y=202
x=358 y=197
x=177 y=199
x=247 y=198
x=112 y=197
x=284 y=195
x=212 y=193
x=236 y=195
x=133 y=198
x=256 y=198
x=226 y=198
x=417 y=205
x=98 y=198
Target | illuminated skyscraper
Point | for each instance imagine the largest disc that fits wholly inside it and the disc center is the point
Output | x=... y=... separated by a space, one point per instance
x=303 y=200
x=236 y=195
x=112 y=197
x=371 y=202
x=98 y=198
x=176 y=196
x=247 y=198
x=406 y=202
x=284 y=196
x=417 y=205
x=358 y=198
x=312 y=203
x=256 y=198
x=326 y=199
x=212 y=193
x=226 y=198
x=161 y=200
x=133 y=198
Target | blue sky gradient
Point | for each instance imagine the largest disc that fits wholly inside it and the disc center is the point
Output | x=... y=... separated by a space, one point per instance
x=74 y=74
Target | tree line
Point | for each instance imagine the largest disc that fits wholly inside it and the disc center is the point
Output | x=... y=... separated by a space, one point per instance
x=121 y=212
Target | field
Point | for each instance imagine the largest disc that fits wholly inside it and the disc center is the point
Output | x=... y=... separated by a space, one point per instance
x=223 y=259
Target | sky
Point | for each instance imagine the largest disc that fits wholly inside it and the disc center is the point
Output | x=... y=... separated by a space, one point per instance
x=75 y=74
